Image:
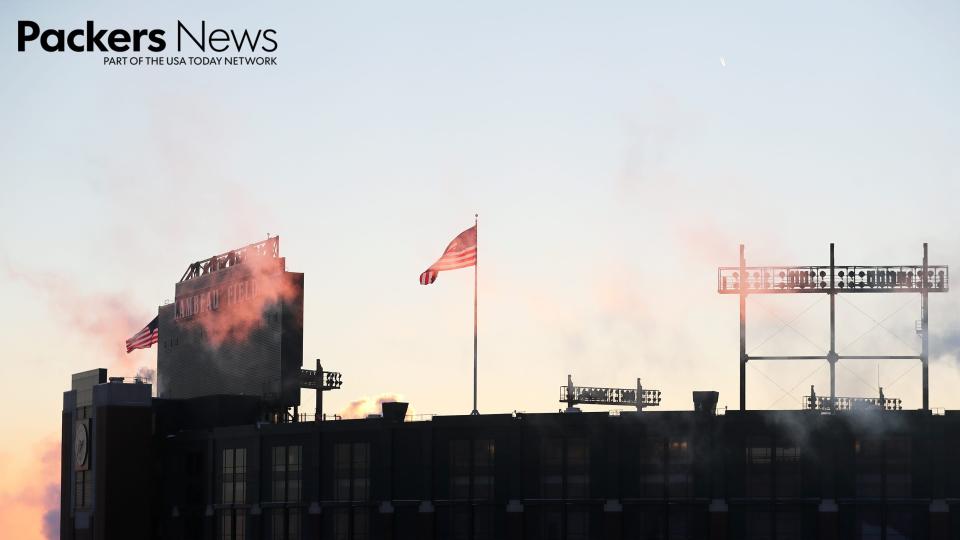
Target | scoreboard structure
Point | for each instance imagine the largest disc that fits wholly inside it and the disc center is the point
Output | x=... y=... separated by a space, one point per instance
x=834 y=279
x=235 y=327
x=638 y=397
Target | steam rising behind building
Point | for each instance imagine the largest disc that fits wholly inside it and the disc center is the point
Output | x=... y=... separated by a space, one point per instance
x=235 y=327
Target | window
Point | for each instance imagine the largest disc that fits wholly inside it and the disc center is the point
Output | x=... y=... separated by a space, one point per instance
x=896 y=523
x=684 y=523
x=550 y=523
x=466 y=522
x=233 y=490
x=578 y=469
x=759 y=467
x=234 y=476
x=578 y=524
x=665 y=468
x=483 y=456
x=83 y=495
x=773 y=522
x=286 y=467
x=789 y=523
x=285 y=523
x=471 y=479
x=652 y=524
x=883 y=467
x=471 y=469
x=788 y=478
x=771 y=469
x=351 y=471
x=483 y=523
x=652 y=467
x=899 y=524
x=898 y=466
x=869 y=457
x=758 y=524
x=559 y=522
x=565 y=469
x=459 y=469
x=868 y=524
x=351 y=477
x=679 y=463
x=351 y=523
x=551 y=469
x=232 y=523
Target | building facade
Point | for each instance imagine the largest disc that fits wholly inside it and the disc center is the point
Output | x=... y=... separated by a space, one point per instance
x=211 y=468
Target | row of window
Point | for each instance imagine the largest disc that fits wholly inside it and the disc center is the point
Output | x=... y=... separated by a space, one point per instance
x=882 y=468
x=286 y=523
x=665 y=469
x=351 y=483
x=210 y=300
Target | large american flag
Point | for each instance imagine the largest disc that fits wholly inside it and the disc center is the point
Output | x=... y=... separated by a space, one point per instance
x=145 y=338
x=461 y=253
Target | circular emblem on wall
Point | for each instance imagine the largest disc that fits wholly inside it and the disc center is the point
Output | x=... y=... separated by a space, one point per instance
x=81 y=447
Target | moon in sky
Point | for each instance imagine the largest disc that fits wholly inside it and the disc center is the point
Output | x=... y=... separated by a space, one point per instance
x=723 y=62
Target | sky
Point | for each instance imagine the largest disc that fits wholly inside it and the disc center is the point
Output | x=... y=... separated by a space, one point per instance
x=616 y=153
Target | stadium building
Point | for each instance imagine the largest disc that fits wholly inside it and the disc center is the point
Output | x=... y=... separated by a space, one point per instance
x=218 y=455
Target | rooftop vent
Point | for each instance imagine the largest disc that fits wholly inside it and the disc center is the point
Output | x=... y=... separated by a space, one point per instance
x=394 y=411
x=705 y=401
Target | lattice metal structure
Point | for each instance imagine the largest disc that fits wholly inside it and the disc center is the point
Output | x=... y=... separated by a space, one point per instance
x=268 y=248
x=596 y=395
x=835 y=279
x=321 y=381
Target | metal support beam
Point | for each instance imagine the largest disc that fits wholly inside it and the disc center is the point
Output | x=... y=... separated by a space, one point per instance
x=639 y=396
x=743 y=332
x=879 y=357
x=840 y=357
x=832 y=355
x=788 y=357
x=318 y=413
x=924 y=331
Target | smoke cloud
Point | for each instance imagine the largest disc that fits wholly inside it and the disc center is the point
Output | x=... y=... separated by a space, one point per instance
x=105 y=319
x=946 y=344
x=50 y=498
x=369 y=405
x=30 y=495
x=51 y=516
x=240 y=313
x=146 y=374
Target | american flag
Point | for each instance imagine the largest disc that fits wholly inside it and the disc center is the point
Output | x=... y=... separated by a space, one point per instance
x=461 y=253
x=145 y=338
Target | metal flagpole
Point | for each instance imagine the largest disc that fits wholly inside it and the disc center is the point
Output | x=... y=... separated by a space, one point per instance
x=476 y=264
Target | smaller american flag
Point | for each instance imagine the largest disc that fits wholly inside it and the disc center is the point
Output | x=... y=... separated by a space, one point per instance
x=145 y=338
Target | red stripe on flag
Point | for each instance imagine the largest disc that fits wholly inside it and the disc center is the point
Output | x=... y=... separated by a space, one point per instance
x=460 y=253
x=145 y=338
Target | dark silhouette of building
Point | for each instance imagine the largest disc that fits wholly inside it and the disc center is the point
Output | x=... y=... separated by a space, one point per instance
x=212 y=468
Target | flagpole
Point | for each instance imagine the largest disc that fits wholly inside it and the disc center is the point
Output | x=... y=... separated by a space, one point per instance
x=476 y=219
